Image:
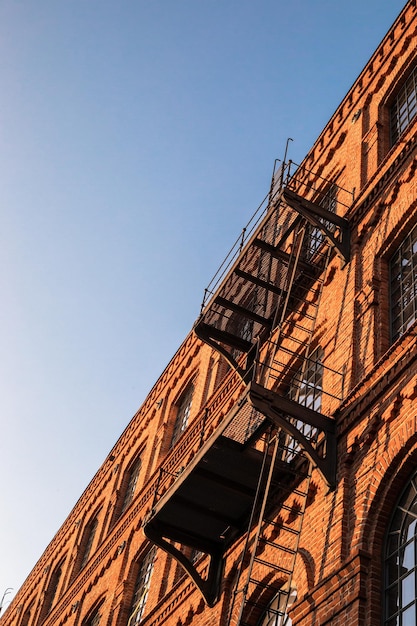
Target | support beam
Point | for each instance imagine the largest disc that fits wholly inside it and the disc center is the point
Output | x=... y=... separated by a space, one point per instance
x=315 y=214
x=281 y=411
x=243 y=311
x=259 y=282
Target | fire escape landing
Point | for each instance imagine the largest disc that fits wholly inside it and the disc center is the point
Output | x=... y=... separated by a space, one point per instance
x=260 y=314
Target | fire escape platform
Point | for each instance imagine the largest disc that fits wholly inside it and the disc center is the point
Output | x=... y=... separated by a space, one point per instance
x=208 y=506
x=251 y=287
x=259 y=313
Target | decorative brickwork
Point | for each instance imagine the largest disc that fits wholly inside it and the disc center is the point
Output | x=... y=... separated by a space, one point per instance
x=367 y=391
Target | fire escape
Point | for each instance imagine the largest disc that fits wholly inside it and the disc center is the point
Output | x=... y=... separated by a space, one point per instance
x=250 y=480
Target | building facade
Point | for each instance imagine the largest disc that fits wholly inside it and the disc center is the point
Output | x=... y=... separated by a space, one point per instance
x=270 y=477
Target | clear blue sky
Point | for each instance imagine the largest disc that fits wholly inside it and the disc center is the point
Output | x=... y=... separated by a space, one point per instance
x=136 y=139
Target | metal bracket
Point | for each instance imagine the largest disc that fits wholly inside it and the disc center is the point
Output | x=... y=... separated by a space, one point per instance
x=209 y=587
x=314 y=213
x=278 y=409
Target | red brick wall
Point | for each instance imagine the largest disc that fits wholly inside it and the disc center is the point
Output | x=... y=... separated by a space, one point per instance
x=338 y=567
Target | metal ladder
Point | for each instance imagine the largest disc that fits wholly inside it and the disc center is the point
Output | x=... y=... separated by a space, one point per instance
x=270 y=550
x=264 y=579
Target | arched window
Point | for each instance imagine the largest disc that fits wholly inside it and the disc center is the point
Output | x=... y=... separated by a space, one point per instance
x=276 y=613
x=130 y=483
x=403 y=285
x=94 y=616
x=94 y=619
x=314 y=235
x=306 y=388
x=400 y=561
x=142 y=584
x=404 y=107
x=51 y=590
x=27 y=614
x=87 y=542
x=183 y=413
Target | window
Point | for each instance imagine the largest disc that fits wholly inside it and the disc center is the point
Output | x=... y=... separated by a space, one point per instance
x=306 y=389
x=142 y=587
x=314 y=235
x=403 y=280
x=53 y=584
x=242 y=327
x=404 y=107
x=306 y=386
x=276 y=614
x=132 y=480
x=183 y=414
x=246 y=330
x=51 y=590
x=27 y=615
x=400 y=561
x=94 y=618
x=87 y=541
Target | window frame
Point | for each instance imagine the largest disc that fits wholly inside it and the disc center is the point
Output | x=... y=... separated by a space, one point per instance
x=130 y=482
x=397 y=541
x=315 y=237
x=28 y=613
x=400 y=293
x=306 y=388
x=93 y=614
x=183 y=410
x=143 y=576
x=94 y=619
x=87 y=541
x=276 y=614
x=51 y=593
x=403 y=103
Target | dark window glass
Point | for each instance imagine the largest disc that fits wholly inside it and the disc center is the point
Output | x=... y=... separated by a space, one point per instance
x=131 y=484
x=276 y=614
x=404 y=107
x=403 y=282
x=53 y=587
x=400 y=561
x=306 y=389
x=314 y=235
x=88 y=541
x=94 y=619
x=183 y=414
x=27 y=615
x=307 y=384
x=142 y=587
x=51 y=591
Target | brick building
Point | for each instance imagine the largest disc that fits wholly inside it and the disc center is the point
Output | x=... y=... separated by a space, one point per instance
x=272 y=470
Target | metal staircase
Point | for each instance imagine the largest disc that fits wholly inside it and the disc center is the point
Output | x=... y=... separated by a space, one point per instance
x=251 y=477
x=272 y=270
x=264 y=579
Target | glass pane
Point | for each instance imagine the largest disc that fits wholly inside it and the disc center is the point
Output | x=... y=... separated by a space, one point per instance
x=404 y=285
x=409 y=617
x=408 y=589
x=400 y=562
x=393 y=542
x=404 y=107
x=407 y=558
x=391 y=571
x=391 y=601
